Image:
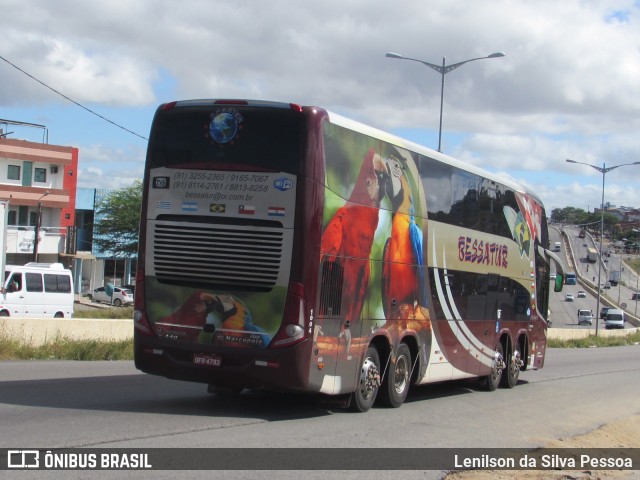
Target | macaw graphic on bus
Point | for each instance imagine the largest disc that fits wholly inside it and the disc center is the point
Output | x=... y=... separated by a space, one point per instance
x=349 y=235
x=220 y=319
x=228 y=314
x=191 y=313
x=403 y=282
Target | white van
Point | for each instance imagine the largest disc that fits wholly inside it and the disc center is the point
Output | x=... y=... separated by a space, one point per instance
x=614 y=318
x=37 y=290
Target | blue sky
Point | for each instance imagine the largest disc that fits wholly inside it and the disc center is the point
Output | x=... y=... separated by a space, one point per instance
x=568 y=87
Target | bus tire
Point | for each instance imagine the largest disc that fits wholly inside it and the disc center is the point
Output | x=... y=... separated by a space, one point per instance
x=512 y=372
x=395 y=386
x=368 y=382
x=4 y=313
x=492 y=380
x=59 y=315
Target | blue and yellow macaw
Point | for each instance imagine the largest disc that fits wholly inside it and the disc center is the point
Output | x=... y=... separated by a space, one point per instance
x=226 y=312
x=403 y=281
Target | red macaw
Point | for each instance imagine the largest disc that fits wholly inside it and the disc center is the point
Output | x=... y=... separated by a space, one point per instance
x=192 y=312
x=348 y=237
x=403 y=281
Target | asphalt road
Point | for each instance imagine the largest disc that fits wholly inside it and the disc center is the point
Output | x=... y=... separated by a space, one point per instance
x=55 y=404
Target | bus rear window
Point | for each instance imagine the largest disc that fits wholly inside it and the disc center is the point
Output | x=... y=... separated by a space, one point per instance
x=226 y=138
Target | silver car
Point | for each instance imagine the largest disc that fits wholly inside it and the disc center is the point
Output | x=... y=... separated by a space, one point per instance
x=585 y=317
x=614 y=318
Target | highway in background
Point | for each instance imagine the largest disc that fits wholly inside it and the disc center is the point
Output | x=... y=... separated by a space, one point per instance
x=564 y=314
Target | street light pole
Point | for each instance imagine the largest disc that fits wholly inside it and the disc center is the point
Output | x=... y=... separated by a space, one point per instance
x=443 y=70
x=604 y=170
x=38 y=226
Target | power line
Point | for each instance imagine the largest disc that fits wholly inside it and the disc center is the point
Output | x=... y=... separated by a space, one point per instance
x=73 y=101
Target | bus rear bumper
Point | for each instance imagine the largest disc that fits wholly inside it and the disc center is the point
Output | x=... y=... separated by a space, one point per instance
x=276 y=369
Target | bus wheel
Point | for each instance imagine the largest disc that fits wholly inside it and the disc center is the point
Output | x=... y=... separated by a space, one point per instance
x=59 y=315
x=395 y=386
x=492 y=380
x=512 y=371
x=4 y=313
x=368 y=383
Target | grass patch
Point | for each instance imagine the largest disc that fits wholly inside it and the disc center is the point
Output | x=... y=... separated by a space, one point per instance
x=634 y=263
x=65 y=349
x=599 y=341
x=109 y=313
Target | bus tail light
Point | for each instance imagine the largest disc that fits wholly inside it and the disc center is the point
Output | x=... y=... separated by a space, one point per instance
x=140 y=322
x=292 y=328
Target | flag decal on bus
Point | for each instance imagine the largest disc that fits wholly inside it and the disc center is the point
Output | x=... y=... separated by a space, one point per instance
x=189 y=206
x=247 y=209
x=217 y=208
x=276 y=211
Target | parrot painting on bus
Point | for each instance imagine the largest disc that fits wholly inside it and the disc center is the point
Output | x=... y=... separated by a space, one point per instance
x=214 y=314
x=403 y=282
x=349 y=234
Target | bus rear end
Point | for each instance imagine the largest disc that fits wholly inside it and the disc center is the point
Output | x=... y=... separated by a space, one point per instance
x=227 y=210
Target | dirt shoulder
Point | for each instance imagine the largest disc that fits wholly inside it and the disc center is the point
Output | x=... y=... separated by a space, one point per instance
x=624 y=433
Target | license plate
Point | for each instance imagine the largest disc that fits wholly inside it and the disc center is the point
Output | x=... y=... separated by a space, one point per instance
x=207 y=360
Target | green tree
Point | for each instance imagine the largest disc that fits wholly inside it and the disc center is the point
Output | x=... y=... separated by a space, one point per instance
x=570 y=215
x=117 y=222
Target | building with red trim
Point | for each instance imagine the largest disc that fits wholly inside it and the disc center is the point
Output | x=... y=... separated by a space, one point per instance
x=39 y=183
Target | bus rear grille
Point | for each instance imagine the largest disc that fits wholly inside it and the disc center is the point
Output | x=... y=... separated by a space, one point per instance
x=217 y=256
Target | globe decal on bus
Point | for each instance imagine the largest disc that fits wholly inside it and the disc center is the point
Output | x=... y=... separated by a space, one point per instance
x=223 y=128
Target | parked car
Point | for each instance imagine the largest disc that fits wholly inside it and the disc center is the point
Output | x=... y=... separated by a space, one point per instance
x=585 y=317
x=603 y=312
x=582 y=294
x=568 y=297
x=130 y=287
x=614 y=318
x=121 y=296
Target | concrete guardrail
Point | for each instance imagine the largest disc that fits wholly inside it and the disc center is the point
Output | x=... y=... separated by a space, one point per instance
x=39 y=331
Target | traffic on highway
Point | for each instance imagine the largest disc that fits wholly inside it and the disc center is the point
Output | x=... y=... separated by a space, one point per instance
x=618 y=283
